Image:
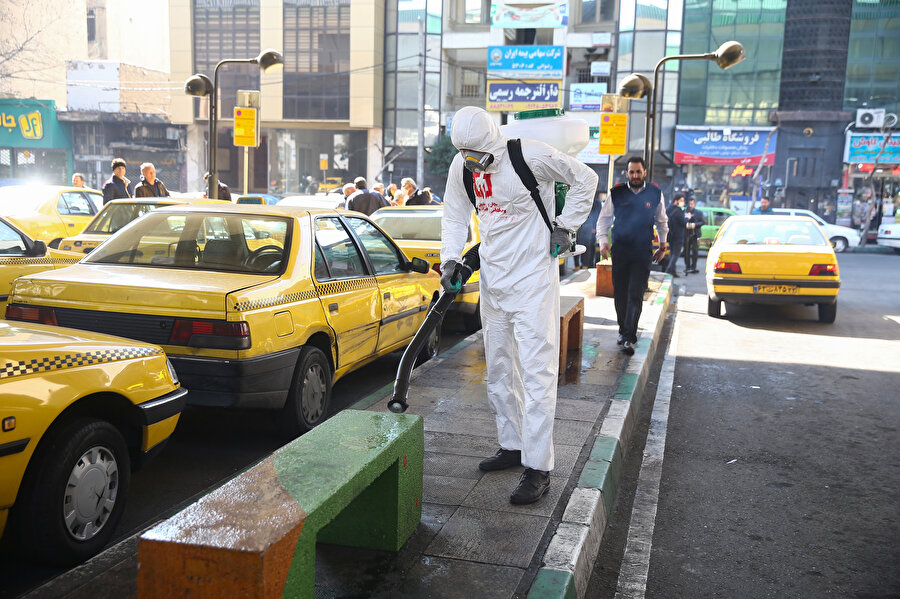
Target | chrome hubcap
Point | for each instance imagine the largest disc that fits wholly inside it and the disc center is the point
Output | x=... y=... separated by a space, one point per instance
x=312 y=398
x=91 y=493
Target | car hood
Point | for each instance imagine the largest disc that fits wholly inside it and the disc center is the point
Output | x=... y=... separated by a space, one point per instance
x=35 y=341
x=115 y=288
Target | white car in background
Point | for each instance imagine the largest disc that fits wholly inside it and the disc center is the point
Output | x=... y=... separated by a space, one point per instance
x=841 y=238
x=889 y=235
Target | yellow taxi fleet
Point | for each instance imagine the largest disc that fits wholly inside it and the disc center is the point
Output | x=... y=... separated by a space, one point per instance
x=256 y=306
x=49 y=213
x=417 y=230
x=772 y=260
x=78 y=412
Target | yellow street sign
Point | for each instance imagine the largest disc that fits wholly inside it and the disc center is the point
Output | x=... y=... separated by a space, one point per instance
x=246 y=127
x=614 y=133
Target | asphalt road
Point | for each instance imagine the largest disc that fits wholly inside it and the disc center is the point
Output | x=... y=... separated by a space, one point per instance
x=780 y=475
x=208 y=447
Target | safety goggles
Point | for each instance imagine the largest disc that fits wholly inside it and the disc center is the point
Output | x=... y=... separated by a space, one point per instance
x=476 y=161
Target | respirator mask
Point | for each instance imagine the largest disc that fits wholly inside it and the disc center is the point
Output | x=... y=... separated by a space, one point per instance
x=476 y=161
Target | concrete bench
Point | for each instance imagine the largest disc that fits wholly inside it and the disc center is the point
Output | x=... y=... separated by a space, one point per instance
x=359 y=473
x=571 y=326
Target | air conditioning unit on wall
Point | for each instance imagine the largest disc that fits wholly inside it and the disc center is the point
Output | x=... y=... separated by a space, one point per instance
x=872 y=118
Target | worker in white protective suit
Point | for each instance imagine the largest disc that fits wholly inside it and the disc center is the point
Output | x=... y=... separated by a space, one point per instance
x=519 y=282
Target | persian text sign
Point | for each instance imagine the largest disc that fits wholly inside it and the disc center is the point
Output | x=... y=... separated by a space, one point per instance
x=723 y=145
x=529 y=14
x=587 y=96
x=863 y=148
x=614 y=133
x=525 y=62
x=246 y=127
x=522 y=95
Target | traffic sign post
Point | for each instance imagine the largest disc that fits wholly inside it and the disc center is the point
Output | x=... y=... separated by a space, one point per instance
x=613 y=131
x=246 y=127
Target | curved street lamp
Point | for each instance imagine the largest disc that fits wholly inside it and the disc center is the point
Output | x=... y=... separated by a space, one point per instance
x=199 y=85
x=637 y=86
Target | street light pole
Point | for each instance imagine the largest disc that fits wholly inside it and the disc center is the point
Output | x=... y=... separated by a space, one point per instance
x=200 y=85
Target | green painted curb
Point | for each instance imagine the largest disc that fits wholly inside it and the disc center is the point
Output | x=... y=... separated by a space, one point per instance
x=553 y=584
x=627 y=386
x=605 y=448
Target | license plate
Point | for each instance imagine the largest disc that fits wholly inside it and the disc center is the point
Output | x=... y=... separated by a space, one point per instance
x=777 y=289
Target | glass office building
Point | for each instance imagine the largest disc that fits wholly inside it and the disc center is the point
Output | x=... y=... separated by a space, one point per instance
x=873 y=57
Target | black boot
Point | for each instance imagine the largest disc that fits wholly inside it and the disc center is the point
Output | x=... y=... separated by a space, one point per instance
x=533 y=486
x=505 y=458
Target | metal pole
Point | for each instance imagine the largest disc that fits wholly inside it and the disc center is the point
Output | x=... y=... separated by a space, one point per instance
x=420 y=150
x=246 y=167
x=212 y=189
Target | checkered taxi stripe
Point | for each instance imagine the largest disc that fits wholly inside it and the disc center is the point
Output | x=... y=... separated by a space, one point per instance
x=39 y=260
x=342 y=286
x=11 y=369
x=266 y=302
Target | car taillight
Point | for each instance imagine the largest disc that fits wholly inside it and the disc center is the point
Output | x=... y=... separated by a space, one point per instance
x=728 y=267
x=31 y=314
x=213 y=334
x=828 y=270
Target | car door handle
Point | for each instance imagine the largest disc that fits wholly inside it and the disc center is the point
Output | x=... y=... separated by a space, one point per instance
x=332 y=307
x=387 y=295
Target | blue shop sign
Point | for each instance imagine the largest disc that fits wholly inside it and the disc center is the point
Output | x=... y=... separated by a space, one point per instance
x=522 y=95
x=525 y=62
x=862 y=148
x=31 y=124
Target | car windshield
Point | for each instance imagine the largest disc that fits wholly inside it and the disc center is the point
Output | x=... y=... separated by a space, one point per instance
x=21 y=200
x=410 y=224
x=770 y=232
x=246 y=243
x=115 y=216
x=10 y=241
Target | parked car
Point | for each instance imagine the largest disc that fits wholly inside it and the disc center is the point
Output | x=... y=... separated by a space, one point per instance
x=79 y=411
x=118 y=213
x=841 y=238
x=259 y=198
x=330 y=183
x=257 y=306
x=21 y=255
x=772 y=260
x=889 y=235
x=49 y=213
x=417 y=230
x=715 y=217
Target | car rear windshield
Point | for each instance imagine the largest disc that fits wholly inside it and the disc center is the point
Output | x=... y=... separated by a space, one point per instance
x=21 y=200
x=115 y=216
x=246 y=243
x=411 y=224
x=772 y=232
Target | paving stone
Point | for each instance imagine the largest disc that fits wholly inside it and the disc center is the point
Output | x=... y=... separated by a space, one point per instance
x=583 y=391
x=473 y=445
x=440 y=578
x=493 y=490
x=490 y=537
x=567 y=432
x=448 y=464
x=446 y=490
x=565 y=457
x=453 y=423
x=577 y=409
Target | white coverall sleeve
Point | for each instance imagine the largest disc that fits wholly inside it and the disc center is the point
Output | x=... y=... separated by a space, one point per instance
x=457 y=214
x=662 y=220
x=605 y=221
x=551 y=164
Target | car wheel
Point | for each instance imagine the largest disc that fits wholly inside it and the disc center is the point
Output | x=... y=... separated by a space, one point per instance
x=713 y=307
x=310 y=394
x=840 y=244
x=73 y=495
x=472 y=321
x=827 y=312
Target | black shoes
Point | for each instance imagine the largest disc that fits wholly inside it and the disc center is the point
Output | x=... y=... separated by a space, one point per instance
x=620 y=339
x=505 y=458
x=533 y=485
x=628 y=348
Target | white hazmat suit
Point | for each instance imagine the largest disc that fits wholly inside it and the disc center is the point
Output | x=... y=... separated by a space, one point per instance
x=519 y=278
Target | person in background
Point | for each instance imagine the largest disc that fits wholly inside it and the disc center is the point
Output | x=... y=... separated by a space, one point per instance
x=391 y=194
x=435 y=198
x=414 y=196
x=677 y=223
x=364 y=200
x=587 y=236
x=764 y=207
x=77 y=180
x=695 y=222
x=379 y=187
x=117 y=185
x=150 y=186
x=224 y=194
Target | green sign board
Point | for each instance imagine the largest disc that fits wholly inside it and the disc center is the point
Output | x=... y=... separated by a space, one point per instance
x=31 y=124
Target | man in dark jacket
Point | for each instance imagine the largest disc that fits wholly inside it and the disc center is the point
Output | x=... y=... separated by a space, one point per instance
x=695 y=222
x=150 y=186
x=416 y=197
x=223 y=194
x=117 y=185
x=365 y=200
x=675 y=213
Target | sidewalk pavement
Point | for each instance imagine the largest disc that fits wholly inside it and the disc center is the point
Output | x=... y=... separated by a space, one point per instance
x=471 y=540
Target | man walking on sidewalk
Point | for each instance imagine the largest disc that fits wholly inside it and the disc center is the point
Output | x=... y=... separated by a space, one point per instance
x=675 y=214
x=519 y=280
x=695 y=222
x=635 y=207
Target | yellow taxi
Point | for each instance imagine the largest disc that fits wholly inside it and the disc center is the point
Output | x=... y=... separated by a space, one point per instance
x=417 y=230
x=49 y=213
x=772 y=260
x=330 y=183
x=118 y=213
x=256 y=306
x=21 y=255
x=78 y=413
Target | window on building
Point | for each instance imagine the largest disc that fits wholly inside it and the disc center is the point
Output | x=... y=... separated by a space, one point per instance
x=476 y=12
x=91 y=25
x=594 y=11
x=472 y=84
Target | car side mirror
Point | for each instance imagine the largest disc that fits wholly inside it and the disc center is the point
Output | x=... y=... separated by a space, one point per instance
x=419 y=265
x=38 y=248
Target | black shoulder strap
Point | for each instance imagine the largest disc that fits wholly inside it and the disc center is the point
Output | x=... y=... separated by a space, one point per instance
x=469 y=184
x=518 y=160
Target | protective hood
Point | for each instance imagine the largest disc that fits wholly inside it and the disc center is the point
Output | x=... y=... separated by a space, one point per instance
x=474 y=129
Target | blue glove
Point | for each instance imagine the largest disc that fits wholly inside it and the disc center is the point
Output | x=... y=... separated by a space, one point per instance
x=560 y=241
x=453 y=274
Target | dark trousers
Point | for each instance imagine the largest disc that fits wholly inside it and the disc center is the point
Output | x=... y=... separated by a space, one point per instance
x=587 y=259
x=675 y=252
x=691 y=251
x=630 y=272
